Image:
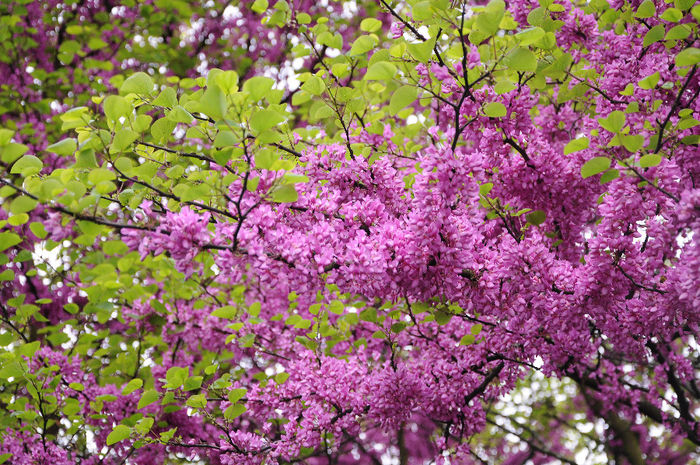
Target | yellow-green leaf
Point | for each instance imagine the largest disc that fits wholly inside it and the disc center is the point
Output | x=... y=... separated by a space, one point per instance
x=495 y=110
x=63 y=147
x=595 y=166
x=137 y=83
x=119 y=433
x=576 y=144
x=688 y=57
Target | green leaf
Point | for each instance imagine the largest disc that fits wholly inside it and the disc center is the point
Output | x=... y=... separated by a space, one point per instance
x=649 y=160
x=168 y=435
x=29 y=349
x=5 y=136
x=6 y=338
x=650 y=81
x=442 y=318
x=646 y=10
x=280 y=378
x=192 y=383
x=314 y=85
x=536 y=217
x=539 y=17
x=197 y=401
x=422 y=11
x=12 y=152
x=595 y=166
x=422 y=51
x=131 y=386
x=467 y=339
x=259 y=6
x=559 y=67
x=162 y=129
x=225 y=139
x=672 y=15
x=370 y=25
x=530 y=36
x=234 y=395
x=228 y=312
x=488 y=20
x=28 y=165
x=503 y=87
x=485 y=188
x=95 y=43
x=38 y=230
x=688 y=123
x=609 y=176
x=654 y=35
x=234 y=411
x=632 y=143
x=265 y=159
x=98 y=175
x=167 y=98
x=495 y=110
x=147 y=398
x=213 y=103
x=76 y=386
x=22 y=204
x=398 y=326
x=75 y=118
x=119 y=433
x=613 y=122
x=63 y=147
x=138 y=83
x=17 y=220
x=576 y=145
x=144 y=425
x=264 y=120
x=179 y=115
x=71 y=308
x=628 y=90
x=381 y=71
x=257 y=87
x=285 y=193
x=688 y=57
x=175 y=376
x=521 y=59
x=401 y=98
x=679 y=32
x=116 y=107
x=123 y=138
x=142 y=122
x=362 y=44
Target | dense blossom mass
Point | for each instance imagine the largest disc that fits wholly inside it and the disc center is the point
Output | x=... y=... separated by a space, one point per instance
x=421 y=232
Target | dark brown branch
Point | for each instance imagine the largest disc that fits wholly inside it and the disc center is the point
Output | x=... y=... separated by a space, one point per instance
x=673 y=109
x=484 y=384
x=76 y=215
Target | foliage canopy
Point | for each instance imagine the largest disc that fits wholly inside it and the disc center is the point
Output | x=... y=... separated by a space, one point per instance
x=332 y=233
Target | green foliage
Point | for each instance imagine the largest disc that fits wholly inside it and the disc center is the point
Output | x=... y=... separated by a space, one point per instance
x=576 y=145
x=495 y=110
x=401 y=98
x=138 y=83
x=595 y=166
x=119 y=433
x=28 y=165
x=688 y=57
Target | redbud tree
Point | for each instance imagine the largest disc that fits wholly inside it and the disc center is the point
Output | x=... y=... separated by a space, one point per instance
x=320 y=232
